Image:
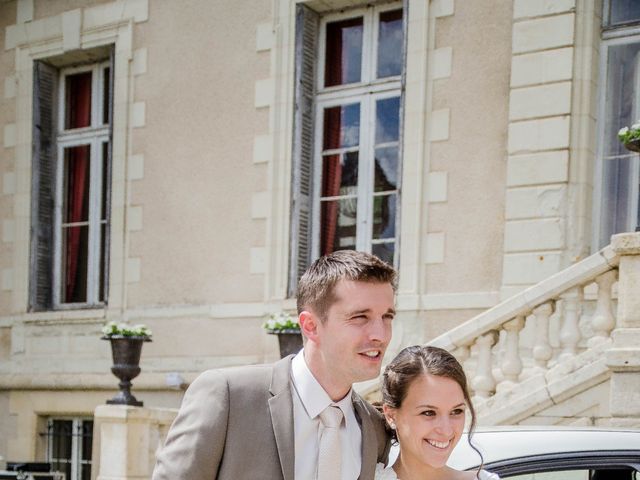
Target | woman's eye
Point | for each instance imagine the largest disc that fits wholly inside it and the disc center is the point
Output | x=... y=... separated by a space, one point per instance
x=457 y=411
x=428 y=413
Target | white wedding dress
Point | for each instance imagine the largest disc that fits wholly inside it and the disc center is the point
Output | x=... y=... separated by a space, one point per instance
x=388 y=473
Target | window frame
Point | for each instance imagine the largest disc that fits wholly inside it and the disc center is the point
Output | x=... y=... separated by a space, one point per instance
x=96 y=135
x=611 y=37
x=366 y=92
x=76 y=460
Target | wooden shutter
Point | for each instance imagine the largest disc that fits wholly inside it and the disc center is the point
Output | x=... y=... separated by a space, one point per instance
x=42 y=186
x=307 y=25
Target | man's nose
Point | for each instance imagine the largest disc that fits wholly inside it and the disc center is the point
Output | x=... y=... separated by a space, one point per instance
x=380 y=330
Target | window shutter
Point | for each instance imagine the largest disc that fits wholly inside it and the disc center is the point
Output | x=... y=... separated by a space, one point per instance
x=42 y=186
x=307 y=24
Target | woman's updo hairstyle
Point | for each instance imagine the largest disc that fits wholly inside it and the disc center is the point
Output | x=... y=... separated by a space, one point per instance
x=417 y=360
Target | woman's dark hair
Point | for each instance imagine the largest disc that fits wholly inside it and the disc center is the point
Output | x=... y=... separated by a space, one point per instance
x=417 y=360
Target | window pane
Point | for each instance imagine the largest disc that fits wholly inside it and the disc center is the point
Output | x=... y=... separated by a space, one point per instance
x=619 y=172
x=338 y=225
x=384 y=251
x=87 y=439
x=78 y=100
x=105 y=180
x=623 y=105
x=343 y=50
x=615 y=195
x=76 y=184
x=74 y=264
x=390 y=44
x=341 y=126
x=339 y=174
x=384 y=216
x=388 y=120
x=623 y=11
x=101 y=273
x=106 y=93
x=386 y=169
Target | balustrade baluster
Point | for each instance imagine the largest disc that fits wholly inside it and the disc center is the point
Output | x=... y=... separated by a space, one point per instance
x=570 y=332
x=511 y=363
x=603 y=320
x=483 y=382
x=542 y=351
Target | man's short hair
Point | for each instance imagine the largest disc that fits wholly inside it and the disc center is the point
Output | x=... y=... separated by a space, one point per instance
x=316 y=287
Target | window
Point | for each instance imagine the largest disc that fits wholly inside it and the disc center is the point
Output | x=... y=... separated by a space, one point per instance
x=69 y=444
x=71 y=172
x=347 y=140
x=618 y=176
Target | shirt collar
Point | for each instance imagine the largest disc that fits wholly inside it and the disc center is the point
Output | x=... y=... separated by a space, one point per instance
x=313 y=397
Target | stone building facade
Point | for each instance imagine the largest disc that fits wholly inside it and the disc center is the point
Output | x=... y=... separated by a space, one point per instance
x=174 y=164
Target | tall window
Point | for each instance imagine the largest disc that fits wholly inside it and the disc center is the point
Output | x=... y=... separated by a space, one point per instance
x=348 y=102
x=72 y=139
x=69 y=444
x=619 y=173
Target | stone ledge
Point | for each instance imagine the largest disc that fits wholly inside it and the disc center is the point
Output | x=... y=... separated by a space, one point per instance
x=626 y=243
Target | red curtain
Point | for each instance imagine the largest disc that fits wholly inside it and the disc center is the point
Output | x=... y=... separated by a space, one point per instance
x=78 y=115
x=331 y=179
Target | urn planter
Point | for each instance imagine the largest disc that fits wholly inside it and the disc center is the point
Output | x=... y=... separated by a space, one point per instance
x=126 y=351
x=289 y=341
x=633 y=145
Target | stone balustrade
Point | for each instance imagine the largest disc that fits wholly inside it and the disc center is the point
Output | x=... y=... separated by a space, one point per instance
x=554 y=333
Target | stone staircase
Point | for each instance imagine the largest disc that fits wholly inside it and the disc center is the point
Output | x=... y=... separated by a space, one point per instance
x=566 y=350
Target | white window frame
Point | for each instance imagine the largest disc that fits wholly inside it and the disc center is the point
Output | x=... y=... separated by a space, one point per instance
x=76 y=445
x=94 y=135
x=610 y=38
x=366 y=93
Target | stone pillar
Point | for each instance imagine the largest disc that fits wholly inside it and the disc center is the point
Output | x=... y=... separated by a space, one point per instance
x=126 y=439
x=623 y=358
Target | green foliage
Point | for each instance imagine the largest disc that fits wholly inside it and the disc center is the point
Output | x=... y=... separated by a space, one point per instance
x=281 y=323
x=112 y=329
x=628 y=134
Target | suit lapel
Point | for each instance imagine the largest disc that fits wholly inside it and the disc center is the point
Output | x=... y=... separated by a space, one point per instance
x=281 y=408
x=369 y=441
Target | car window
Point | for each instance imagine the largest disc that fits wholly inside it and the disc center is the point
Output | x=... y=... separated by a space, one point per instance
x=564 y=475
x=581 y=474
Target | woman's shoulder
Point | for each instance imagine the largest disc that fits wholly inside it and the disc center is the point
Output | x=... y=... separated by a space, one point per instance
x=385 y=473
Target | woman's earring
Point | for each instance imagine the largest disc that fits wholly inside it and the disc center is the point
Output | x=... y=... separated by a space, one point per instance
x=392 y=425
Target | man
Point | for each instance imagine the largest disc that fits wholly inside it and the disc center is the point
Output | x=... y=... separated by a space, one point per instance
x=268 y=421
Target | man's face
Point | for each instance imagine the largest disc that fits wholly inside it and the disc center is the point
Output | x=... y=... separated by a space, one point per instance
x=356 y=332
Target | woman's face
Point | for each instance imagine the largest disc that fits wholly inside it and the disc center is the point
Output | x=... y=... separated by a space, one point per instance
x=430 y=420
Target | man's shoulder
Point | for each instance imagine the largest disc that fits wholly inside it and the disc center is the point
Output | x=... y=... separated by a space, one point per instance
x=256 y=375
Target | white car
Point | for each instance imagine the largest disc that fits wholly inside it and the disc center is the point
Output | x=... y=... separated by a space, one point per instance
x=553 y=453
x=550 y=453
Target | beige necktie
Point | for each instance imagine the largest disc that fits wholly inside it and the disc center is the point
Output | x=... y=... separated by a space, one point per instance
x=330 y=453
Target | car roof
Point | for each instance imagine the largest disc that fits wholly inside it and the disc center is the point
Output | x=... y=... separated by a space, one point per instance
x=503 y=443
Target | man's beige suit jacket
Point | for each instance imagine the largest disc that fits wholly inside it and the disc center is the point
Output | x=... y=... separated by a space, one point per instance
x=237 y=424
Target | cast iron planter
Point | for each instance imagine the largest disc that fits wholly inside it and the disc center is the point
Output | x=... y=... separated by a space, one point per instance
x=126 y=366
x=633 y=145
x=290 y=341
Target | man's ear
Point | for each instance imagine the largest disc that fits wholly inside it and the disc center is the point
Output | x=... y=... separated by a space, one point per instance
x=308 y=324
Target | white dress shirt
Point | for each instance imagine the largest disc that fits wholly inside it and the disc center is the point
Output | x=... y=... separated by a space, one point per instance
x=309 y=399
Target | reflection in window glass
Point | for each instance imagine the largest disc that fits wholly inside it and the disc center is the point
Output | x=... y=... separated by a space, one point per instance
x=342 y=126
x=343 y=49
x=623 y=11
x=390 y=41
x=338 y=225
x=387 y=120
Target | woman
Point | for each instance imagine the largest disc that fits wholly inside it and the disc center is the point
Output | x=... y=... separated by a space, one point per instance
x=425 y=401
